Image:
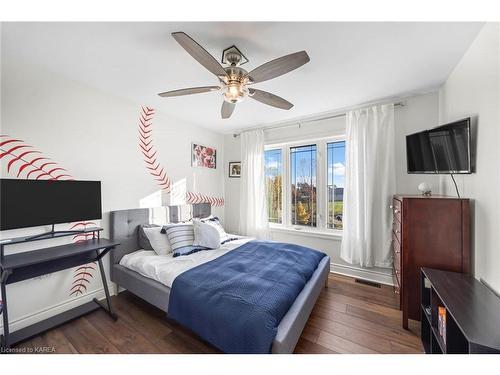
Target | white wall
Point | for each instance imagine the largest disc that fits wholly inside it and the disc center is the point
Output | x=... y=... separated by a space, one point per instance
x=231 y=185
x=420 y=112
x=95 y=137
x=473 y=89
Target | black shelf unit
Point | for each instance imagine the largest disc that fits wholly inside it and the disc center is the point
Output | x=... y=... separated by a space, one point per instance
x=26 y=265
x=472 y=314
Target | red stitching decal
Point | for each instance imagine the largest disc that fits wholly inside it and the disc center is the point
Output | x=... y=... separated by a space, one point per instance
x=86 y=267
x=147 y=149
x=82 y=275
x=201 y=198
x=81 y=223
x=154 y=168
x=22 y=160
x=25 y=157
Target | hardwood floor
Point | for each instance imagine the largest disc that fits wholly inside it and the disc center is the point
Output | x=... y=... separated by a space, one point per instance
x=348 y=318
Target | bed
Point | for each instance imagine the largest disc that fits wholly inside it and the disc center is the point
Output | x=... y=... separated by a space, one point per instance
x=124 y=229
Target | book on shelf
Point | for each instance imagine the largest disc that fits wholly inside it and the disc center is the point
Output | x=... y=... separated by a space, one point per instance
x=442 y=322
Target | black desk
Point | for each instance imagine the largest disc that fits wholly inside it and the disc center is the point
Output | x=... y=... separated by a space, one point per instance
x=26 y=265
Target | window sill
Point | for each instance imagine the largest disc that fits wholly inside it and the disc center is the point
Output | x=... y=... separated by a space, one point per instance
x=330 y=235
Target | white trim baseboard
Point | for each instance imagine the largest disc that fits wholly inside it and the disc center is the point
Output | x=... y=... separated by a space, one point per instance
x=365 y=274
x=53 y=310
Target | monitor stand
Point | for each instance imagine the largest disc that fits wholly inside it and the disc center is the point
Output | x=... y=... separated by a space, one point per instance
x=56 y=233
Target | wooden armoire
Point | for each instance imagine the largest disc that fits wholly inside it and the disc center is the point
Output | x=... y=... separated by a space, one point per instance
x=428 y=231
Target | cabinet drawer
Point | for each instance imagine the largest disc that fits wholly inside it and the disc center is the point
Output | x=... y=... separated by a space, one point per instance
x=396 y=255
x=396 y=281
x=397 y=261
x=396 y=246
x=397 y=275
x=396 y=210
x=396 y=229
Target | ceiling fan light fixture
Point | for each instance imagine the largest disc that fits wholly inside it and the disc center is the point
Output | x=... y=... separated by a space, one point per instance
x=234 y=79
x=234 y=92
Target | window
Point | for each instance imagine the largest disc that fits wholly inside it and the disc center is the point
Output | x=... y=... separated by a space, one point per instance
x=274 y=187
x=335 y=183
x=303 y=185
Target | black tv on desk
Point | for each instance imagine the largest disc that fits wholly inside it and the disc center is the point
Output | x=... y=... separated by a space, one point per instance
x=29 y=203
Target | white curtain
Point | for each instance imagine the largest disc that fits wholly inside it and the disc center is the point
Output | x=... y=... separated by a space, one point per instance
x=370 y=182
x=253 y=208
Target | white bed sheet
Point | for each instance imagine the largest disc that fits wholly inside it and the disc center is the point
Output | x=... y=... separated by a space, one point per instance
x=165 y=268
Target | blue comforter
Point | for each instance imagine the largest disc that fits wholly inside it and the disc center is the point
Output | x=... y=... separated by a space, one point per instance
x=237 y=301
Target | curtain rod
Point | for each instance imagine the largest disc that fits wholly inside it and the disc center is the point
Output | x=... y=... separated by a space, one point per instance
x=295 y=123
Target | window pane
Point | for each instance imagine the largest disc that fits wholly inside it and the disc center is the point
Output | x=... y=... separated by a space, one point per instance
x=335 y=188
x=274 y=185
x=303 y=177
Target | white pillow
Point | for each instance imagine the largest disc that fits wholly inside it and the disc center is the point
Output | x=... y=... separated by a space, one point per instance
x=159 y=241
x=209 y=217
x=206 y=235
x=214 y=222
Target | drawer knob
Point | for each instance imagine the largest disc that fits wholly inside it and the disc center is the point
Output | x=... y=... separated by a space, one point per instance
x=396 y=211
x=398 y=251
x=398 y=231
x=396 y=291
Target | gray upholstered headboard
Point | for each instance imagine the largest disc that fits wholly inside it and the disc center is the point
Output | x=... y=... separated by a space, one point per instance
x=125 y=223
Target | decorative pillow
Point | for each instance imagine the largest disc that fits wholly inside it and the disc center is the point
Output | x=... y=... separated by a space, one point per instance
x=179 y=235
x=210 y=217
x=159 y=242
x=206 y=235
x=187 y=250
x=143 y=239
x=214 y=222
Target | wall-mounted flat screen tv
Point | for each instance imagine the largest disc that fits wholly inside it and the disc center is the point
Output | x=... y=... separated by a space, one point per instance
x=29 y=203
x=445 y=149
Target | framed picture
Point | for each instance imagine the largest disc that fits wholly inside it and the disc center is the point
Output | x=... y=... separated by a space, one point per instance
x=235 y=169
x=203 y=156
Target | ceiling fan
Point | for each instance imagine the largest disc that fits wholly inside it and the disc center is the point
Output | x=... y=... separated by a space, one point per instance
x=234 y=79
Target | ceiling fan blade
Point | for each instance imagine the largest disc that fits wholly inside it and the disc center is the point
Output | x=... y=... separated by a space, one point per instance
x=270 y=99
x=199 y=54
x=227 y=109
x=278 y=67
x=192 y=90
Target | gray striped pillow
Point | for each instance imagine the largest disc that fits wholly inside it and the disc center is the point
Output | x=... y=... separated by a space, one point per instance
x=180 y=235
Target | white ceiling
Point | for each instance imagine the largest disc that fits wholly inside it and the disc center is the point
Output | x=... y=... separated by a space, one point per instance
x=351 y=63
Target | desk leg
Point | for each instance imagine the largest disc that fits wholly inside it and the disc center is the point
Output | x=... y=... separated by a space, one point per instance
x=109 y=308
x=5 y=343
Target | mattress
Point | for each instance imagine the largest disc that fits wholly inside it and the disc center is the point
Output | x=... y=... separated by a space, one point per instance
x=165 y=268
